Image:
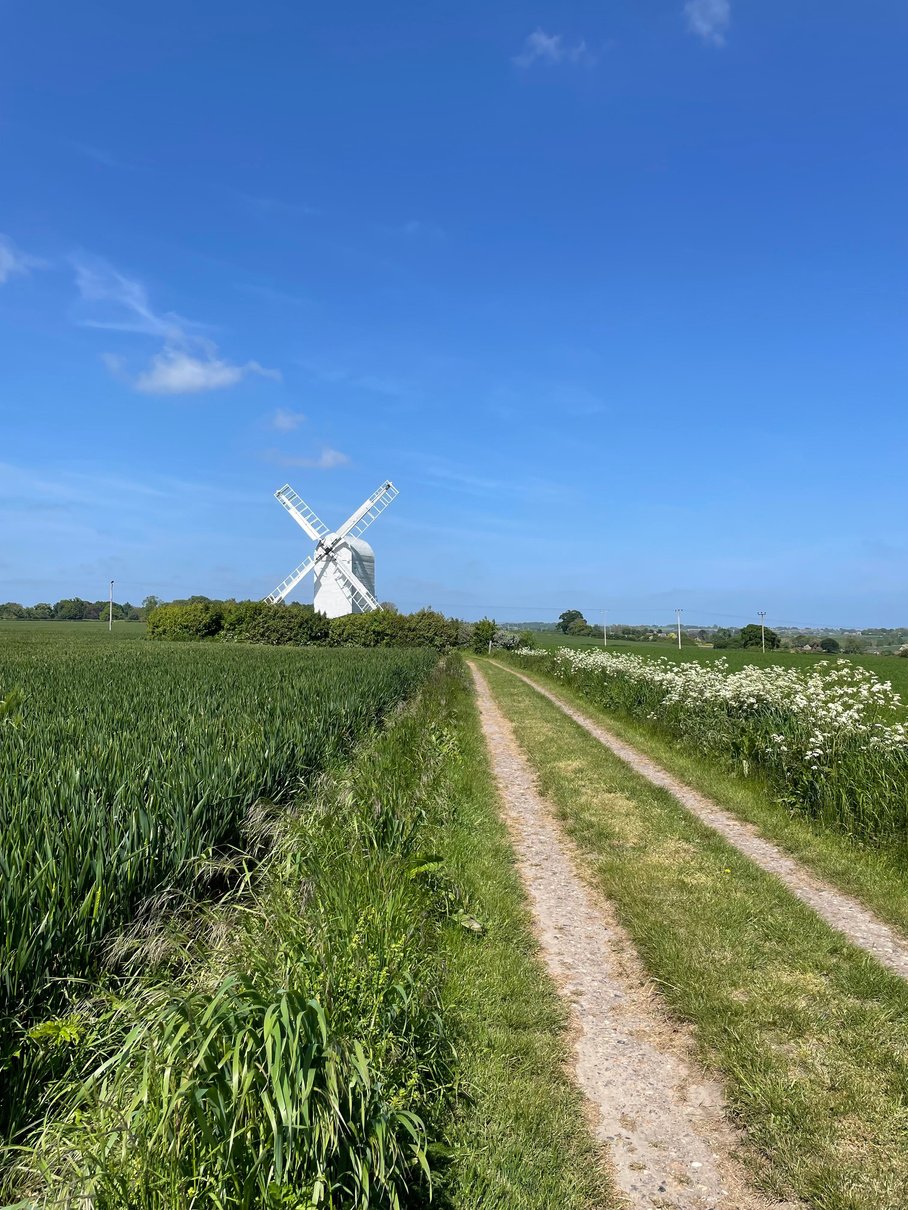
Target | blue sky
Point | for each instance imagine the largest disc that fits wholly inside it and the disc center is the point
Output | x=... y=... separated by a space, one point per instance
x=615 y=294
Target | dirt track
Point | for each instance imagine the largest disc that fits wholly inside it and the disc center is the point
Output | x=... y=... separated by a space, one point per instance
x=660 y=1116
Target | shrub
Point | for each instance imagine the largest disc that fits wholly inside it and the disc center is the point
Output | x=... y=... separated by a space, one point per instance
x=196 y=620
x=425 y=628
x=261 y=622
x=507 y=640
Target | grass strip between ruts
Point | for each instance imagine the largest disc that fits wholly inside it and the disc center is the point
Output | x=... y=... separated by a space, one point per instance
x=876 y=876
x=808 y=1031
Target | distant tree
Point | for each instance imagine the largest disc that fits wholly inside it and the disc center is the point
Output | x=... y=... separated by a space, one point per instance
x=528 y=639
x=578 y=627
x=12 y=609
x=722 y=637
x=71 y=609
x=829 y=645
x=42 y=612
x=570 y=615
x=752 y=636
x=151 y=602
x=389 y=607
x=483 y=631
x=853 y=644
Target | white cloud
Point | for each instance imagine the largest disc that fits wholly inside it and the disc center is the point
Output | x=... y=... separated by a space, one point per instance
x=14 y=261
x=188 y=363
x=541 y=47
x=174 y=371
x=327 y=460
x=285 y=421
x=709 y=19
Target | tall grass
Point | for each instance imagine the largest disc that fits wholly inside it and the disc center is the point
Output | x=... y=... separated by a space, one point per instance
x=831 y=740
x=130 y=767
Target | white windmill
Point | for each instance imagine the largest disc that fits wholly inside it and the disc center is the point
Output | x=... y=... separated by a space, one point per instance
x=343 y=565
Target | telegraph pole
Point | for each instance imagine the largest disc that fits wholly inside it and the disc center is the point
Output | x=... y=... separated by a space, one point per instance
x=762 y=613
x=678 y=613
x=110 y=613
x=605 y=628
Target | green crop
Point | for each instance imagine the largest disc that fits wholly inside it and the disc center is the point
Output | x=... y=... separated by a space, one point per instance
x=125 y=768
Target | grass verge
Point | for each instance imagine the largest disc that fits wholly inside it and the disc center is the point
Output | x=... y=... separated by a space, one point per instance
x=368 y=1009
x=877 y=876
x=807 y=1030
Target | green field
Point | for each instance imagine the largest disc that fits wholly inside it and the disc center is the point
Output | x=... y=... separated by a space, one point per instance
x=134 y=766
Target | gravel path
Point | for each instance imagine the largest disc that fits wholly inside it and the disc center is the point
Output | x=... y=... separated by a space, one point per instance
x=841 y=911
x=661 y=1117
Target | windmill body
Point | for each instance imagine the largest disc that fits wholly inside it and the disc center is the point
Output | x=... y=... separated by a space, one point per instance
x=331 y=595
x=342 y=564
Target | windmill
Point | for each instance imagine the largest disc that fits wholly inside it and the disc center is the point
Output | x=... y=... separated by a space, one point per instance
x=343 y=565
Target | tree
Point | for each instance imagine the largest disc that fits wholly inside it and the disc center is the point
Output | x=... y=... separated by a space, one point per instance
x=854 y=645
x=71 y=609
x=569 y=616
x=723 y=637
x=483 y=633
x=753 y=636
x=151 y=602
x=829 y=645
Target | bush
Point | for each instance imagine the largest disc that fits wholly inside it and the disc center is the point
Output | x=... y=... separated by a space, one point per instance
x=260 y=622
x=426 y=628
x=507 y=640
x=196 y=620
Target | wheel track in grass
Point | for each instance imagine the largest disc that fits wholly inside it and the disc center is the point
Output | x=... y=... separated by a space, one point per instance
x=841 y=911
x=655 y=1109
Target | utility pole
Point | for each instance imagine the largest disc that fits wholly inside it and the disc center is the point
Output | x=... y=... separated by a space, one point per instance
x=762 y=613
x=678 y=613
x=110 y=614
x=605 y=628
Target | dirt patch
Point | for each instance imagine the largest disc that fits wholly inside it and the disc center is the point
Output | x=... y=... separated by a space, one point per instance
x=660 y=1115
x=845 y=914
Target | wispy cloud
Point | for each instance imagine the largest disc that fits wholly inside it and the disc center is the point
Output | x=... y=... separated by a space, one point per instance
x=328 y=460
x=189 y=362
x=13 y=261
x=285 y=421
x=541 y=47
x=709 y=19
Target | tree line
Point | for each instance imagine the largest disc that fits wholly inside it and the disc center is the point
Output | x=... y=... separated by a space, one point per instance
x=74 y=609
